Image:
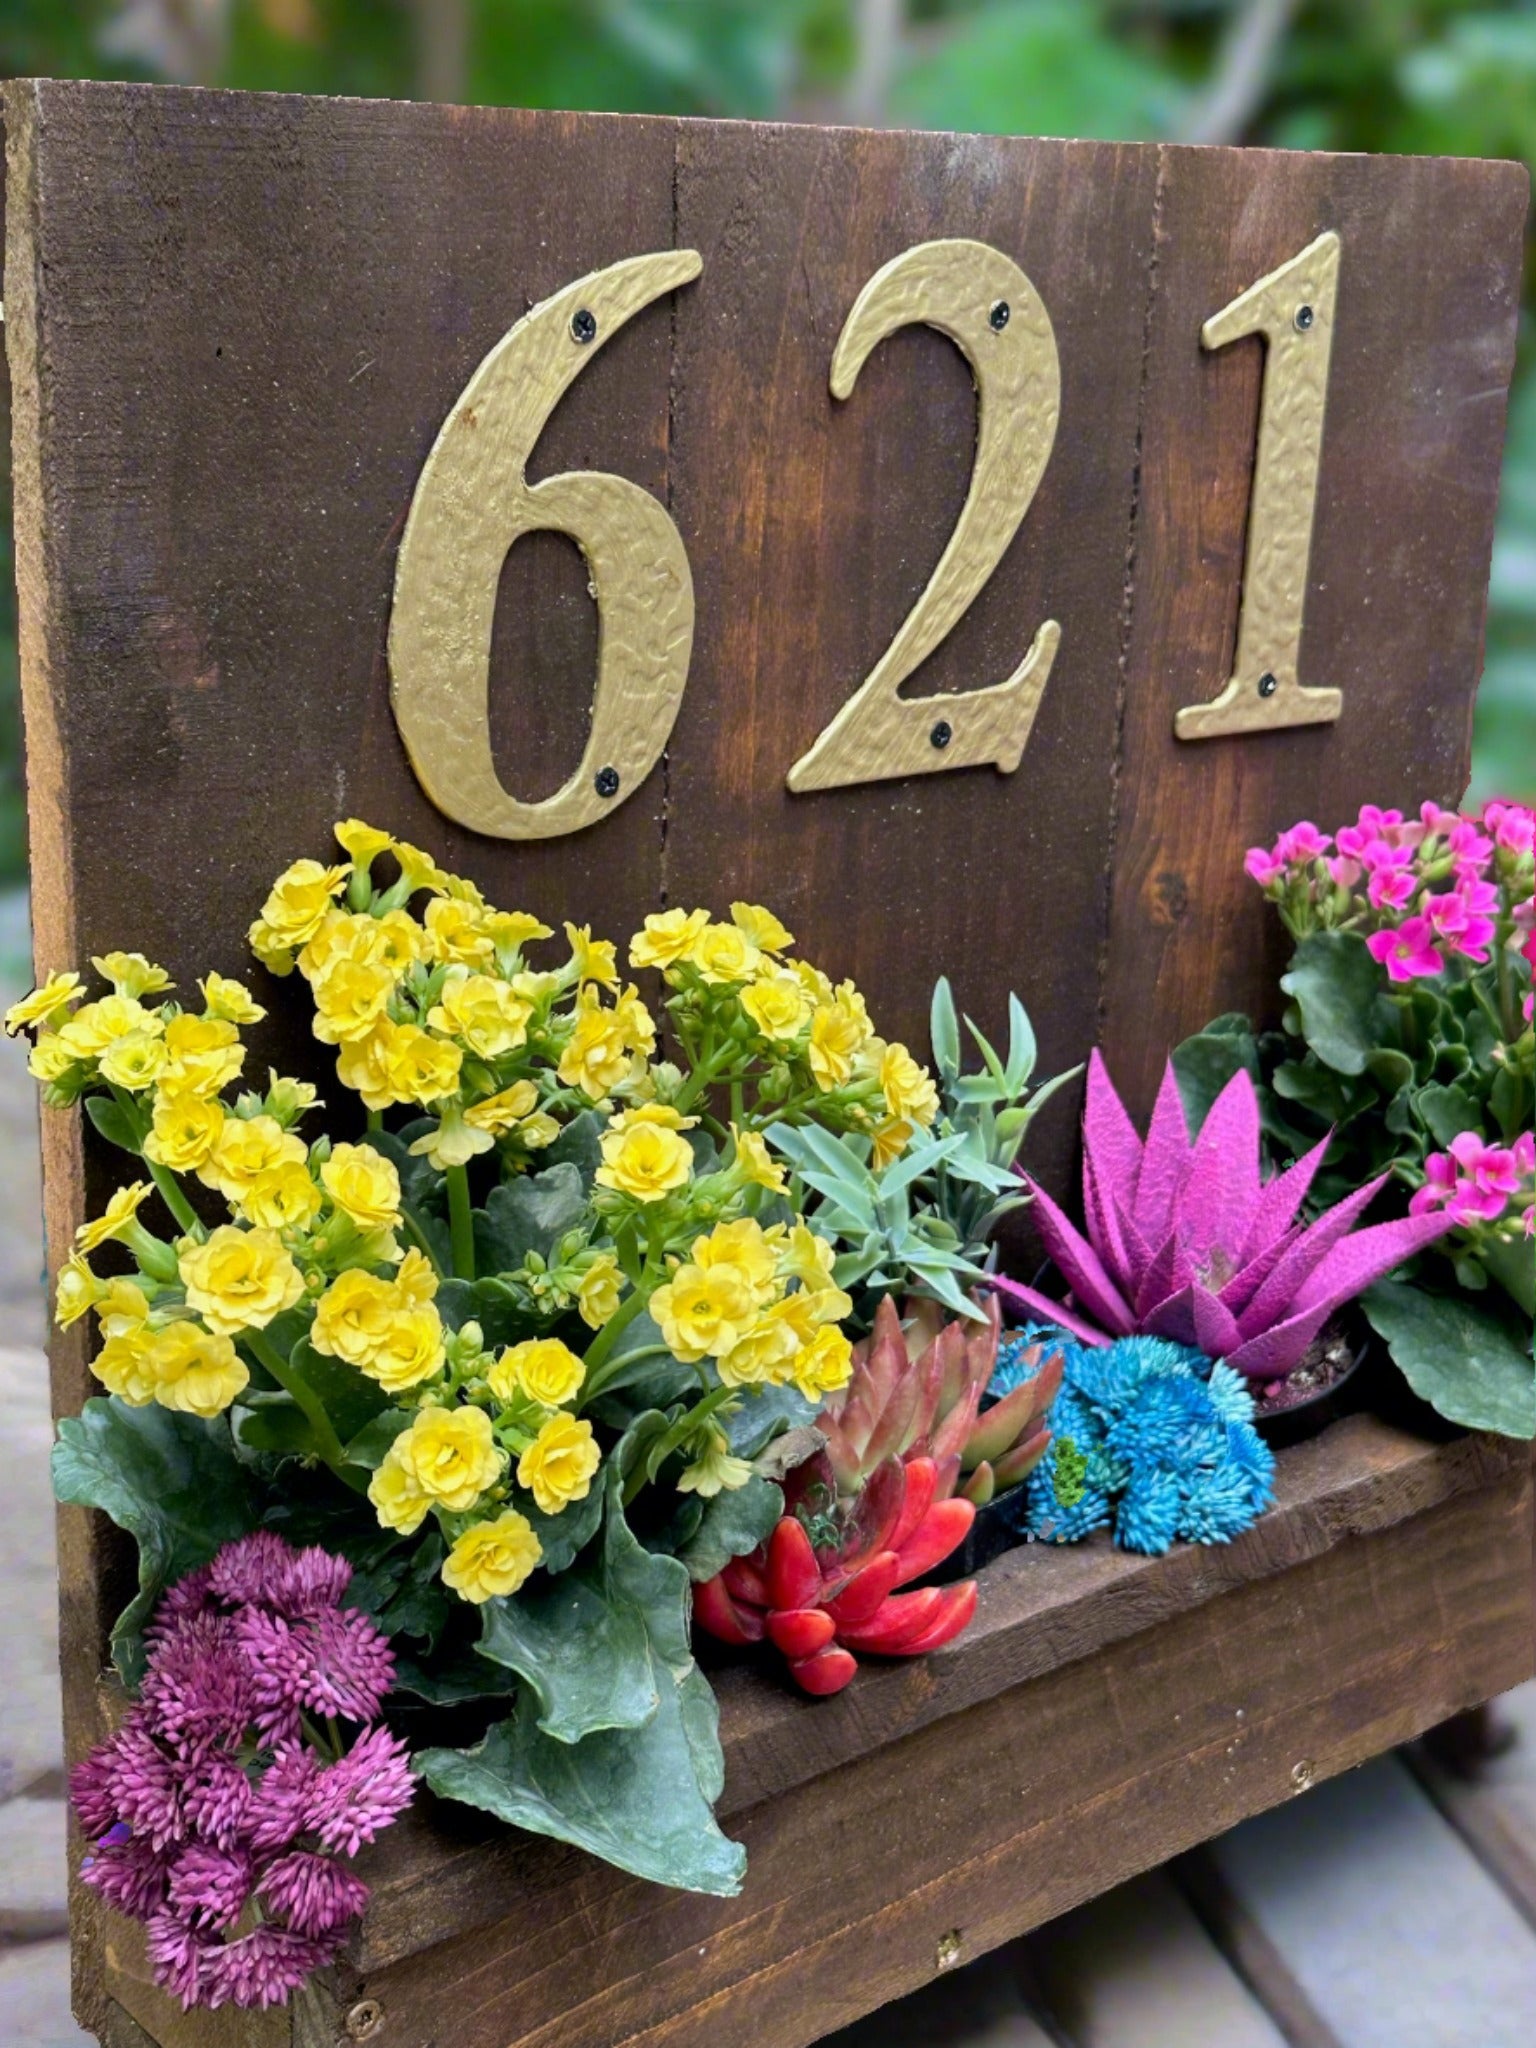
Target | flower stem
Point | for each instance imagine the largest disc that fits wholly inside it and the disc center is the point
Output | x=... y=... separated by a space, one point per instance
x=675 y=1437
x=461 y=1221
x=422 y=1242
x=327 y=1442
x=601 y=1348
x=164 y=1180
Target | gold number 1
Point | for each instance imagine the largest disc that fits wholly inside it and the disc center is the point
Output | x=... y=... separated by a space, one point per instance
x=1293 y=309
x=986 y=305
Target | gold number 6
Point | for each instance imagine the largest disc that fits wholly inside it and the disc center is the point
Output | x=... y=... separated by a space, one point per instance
x=986 y=305
x=471 y=503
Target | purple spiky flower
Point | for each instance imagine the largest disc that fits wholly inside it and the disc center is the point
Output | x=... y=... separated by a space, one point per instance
x=1187 y=1240
x=217 y=1801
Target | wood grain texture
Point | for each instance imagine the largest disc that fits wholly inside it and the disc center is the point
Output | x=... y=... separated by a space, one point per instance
x=1042 y=1796
x=1040 y=1610
x=1422 y=352
x=813 y=526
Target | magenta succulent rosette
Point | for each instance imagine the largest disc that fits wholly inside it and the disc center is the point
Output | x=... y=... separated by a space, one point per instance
x=1188 y=1239
x=224 y=1809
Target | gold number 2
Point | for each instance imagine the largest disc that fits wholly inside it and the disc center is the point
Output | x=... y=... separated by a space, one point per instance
x=1293 y=309
x=471 y=503
x=986 y=305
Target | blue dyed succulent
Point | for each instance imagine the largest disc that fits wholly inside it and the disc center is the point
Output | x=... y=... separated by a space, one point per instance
x=1149 y=1439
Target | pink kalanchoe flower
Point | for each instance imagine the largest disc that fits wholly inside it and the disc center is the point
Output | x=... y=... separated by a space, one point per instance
x=1391 y=888
x=1301 y=844
x=1185 y=1238
x=1263 y=866
x=1486 y=1177
x=1348 y=874
x=1408 y=953
x=1512 y=825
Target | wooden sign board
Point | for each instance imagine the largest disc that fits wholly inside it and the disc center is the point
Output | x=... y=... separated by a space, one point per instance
x=238 y=330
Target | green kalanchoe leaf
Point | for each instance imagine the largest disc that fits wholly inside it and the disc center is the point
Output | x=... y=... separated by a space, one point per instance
x=172 y=1481
x=580 y=1145
x=530 y=1214
x=1335 y=986
x=1469 y=1359
x=615 y=1749
x=350 y=1398
x=733 y=1525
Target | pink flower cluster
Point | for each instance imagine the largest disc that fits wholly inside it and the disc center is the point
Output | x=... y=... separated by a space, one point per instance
x=219 y=1813
x=1475 y=1182
x=1425 y=890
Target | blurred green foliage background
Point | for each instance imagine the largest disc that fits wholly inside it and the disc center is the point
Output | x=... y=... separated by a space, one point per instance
x=1442 y=76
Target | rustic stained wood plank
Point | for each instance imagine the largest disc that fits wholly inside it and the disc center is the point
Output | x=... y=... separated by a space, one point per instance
x=1040 y=1609
x=1397 y=591
x=995 y=1822
x=814 y=525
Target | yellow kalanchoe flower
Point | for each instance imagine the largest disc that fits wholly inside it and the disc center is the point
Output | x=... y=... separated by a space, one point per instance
x=350 y=998
x=499 y=1113
x=362 y=843
x=511 y=930
x=364 y=1184
x=134 y=1061
x=645 y=1161
x=398 y=1501
x=597 y=1298
x=420 y=1068
x=415 y=1281
x=888 y=1140
x=907 y=1086
x=230 y=1000
x=194 y=1370
x=593 y=959
x=487 y=1016
x=745 y=1247
x=185 y=1130
x=723 y=953
x=558 y=1466
x=761 y=927
x=282 y=1198
x=49 y=1058
x=837 y=1037
x=409 y=1351
x=450 y=1456
x=353 y=1315
x=203 y=1054
x=597 y=1056
x=825 y=1365
x=702 y=1313
x=455 y=933
x=714 y=1470
x=118 y=1218
x=123 y=1367
x=666 y=937
x=78 y=1289
x=240 y=1279
x=778 y=1005
x=543 y=1368
x=754 y=1163
x=121 y=1307
x=45 y=1003
x=491 y=1560
x=131 y=974
x=94 y=1026
x=363 y=1066
x=245 y=1149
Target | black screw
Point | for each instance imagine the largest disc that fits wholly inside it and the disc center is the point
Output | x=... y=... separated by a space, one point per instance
x=1268 y=684
x=997 y=319
x=583 y=324
x=942 y=733
x=1304 y=317
x=606 y=781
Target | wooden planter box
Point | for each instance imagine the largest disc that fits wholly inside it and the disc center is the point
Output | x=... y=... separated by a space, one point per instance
x=1103 y=1713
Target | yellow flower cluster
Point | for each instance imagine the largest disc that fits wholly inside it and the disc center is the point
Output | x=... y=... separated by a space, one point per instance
x=762 y=1304
x=389 y=1329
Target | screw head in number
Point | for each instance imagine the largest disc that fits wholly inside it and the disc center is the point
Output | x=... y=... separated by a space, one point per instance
x=583 y=325
x=1268 y=684
x=997 y=319
x=942 y=733
x=364 y=2020
x=606 y=781
x=1304 y=317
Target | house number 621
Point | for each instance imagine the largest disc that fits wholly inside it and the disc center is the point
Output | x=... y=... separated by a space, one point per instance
x=473 y=501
